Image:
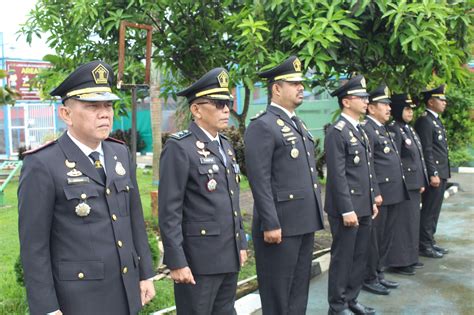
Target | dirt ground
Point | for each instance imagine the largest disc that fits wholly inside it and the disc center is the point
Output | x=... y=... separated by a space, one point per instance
x=323 y=238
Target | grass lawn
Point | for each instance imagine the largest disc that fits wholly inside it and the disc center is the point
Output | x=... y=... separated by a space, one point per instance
x=13 y=296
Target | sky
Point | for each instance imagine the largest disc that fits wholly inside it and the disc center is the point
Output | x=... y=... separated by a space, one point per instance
x=15 y=14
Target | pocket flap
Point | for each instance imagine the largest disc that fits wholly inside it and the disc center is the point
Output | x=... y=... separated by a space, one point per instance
x=355 y=150
x=80 y=191
x=201 y=228
x=81 y=270
x=208 y=169
x=289 y=195
x=123 y=184
x=355 y=191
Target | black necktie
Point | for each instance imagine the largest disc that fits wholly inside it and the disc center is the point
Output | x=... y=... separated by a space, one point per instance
x=361 y=132
x=98 y=166
x=297 y=123
x=221 y=151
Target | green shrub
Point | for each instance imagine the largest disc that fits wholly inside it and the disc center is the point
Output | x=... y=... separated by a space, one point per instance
x=126 y=136
x=18 y=267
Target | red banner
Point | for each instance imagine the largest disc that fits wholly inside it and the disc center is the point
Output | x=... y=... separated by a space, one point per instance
x=20 y=74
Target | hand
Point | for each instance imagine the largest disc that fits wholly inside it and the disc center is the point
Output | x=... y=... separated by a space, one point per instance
x=147 y=291
x=350 y=219
x=375 y=211
x=378 y=200
x=272 y=237
x=182 y=275
x=422 y=189
x=243 y=257
x=434 y=181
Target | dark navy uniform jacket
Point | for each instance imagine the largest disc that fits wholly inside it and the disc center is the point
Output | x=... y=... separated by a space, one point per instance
x=201 y=228
x=82 y=264
x=350 y=179
x=285 y=188
x=435 y=145
x=411 y=153
x=387 y=165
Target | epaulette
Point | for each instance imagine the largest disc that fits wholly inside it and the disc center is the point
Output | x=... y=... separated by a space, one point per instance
x=259 y=114
x=424 y=114
x=364 y=122
x=180 y=134
x=41 y=147
x=340 y=125
x=115 y=140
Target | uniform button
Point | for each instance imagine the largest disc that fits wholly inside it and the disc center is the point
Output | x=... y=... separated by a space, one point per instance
x=235 y=213
x=403 y=176
x=312 y=170
x=356 y=152
x=307 y=153
x=304 y=138
x=371 y=189
x=368 y=163
x=228 y=171
x=124 y=270
x=387 y=179
x=315 y=186
x=80 y=275
x=409 y=169
x=127 y=188
x=114 y=217
x=291 y=196
x=119 y=243
x=107 y=191
x=352 y=191
x=231 y=192
x=437 y=162
x=203 y=232
x=237 y=235
x=83 y=196
x=370 y=175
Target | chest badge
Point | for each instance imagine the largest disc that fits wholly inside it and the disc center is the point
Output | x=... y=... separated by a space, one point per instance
x=83 y=209
x=70 y=164
x=211 y=184
x=356 y=159
x=280 y=122
x=294 y=153
x=74 y=173
x=386 y=150
x=119 y=169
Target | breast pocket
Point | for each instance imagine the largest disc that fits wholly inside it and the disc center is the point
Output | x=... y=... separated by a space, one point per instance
x=124 y=187
x=82 y=203
x=355 y=154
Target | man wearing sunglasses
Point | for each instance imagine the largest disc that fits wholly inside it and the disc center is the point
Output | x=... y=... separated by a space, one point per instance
x=281 y=168
x=200 y=222
x=350 y=199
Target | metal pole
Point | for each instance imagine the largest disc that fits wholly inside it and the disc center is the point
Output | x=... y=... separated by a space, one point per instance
x=134 y=125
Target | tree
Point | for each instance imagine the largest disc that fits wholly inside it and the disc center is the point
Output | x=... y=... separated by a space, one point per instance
x=7 y=95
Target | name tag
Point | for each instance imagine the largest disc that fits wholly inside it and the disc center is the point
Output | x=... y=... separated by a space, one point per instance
x=236 y=168
x=77 y=180
x=208 y=160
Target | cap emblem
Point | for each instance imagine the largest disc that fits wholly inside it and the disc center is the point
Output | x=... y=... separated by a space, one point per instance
x=100 y=74
x=387 y=91
x=223 y=79
x=362 y=83
x=297 y=65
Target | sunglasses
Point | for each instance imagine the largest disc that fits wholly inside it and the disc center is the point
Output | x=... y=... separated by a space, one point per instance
x=219 y=104
x=362 y=98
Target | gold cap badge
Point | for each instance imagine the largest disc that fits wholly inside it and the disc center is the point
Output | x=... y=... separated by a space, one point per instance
x=223 y=79
x=297 y=65
x=100 y=74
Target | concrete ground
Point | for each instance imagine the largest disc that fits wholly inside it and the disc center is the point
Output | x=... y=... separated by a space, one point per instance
x=443 y=286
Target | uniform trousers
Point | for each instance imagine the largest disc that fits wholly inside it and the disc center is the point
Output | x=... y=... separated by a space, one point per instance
x=212 y=294
x=348 y=261
x=283 y=272
x=432 y=200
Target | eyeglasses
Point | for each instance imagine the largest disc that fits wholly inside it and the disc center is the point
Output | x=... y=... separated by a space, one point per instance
x=362 y=98
x=219 y=104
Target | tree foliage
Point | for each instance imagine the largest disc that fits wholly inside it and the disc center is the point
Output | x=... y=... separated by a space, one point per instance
x=402 y=43
x=7 y=95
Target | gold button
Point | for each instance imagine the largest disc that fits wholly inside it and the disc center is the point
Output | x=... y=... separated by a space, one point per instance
x=83 y=196
x=114 y=217
x=403 y=176
x=237 y=235
x=304 y=138
x=231 y=192
x=352 y=191
x=124 y=270
x=119 y=243
x=307 y=153
x=371 y=189
x=235 y=213
x=203 y=232
x=80 y=275
x=107 y=191
x=409 y=169
x=356 y=152
x=315 y=186
x=127 y=188
x=228 y=171
x=312 y=170
x=291 y=196
x=368 y=163
x=370 y=175
x=437 y=162
x=386 y=179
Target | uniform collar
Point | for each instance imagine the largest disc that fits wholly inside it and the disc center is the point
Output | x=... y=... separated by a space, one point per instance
x=286 y=111
x=351 y=120
x=85 y=149
x=378 y=123
x=216 y=138
x=433 y=113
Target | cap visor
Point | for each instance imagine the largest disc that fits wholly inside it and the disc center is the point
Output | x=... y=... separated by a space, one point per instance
x=296 y=79
x=97 y=97
x=361 y=94
x=384 y=100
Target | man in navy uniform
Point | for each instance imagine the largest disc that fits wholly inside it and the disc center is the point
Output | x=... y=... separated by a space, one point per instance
x=83 y=242
x=390 y=189
x=435 y=150
x=200 y=221
x=350 y=199
x=281 y=168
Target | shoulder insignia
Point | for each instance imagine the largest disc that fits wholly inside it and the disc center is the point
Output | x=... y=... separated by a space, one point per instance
x=340 y=125
x=41 y=147
x=363 y=122
x=115 y=140
x=424 y=114
x=180 y=134
x=259 y=114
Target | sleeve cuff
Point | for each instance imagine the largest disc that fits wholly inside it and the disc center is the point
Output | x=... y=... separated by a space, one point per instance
x=347 y=213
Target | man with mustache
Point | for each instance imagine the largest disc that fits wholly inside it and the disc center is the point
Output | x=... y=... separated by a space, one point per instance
x=350 y=199
x=199 y=216
x=435 y=150
x=83 y=243
x=390 y=189
x=281 y=168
